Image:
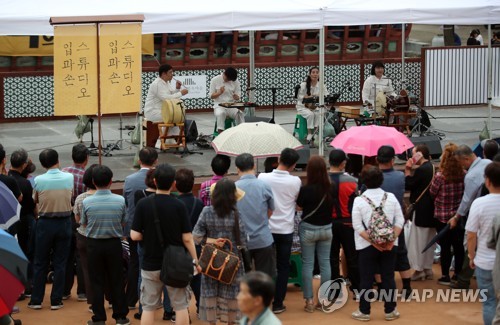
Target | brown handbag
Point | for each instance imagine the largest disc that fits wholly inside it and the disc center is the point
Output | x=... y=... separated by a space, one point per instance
x=219 y=264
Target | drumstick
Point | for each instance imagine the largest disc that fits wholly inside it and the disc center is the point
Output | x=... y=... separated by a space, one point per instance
x=179 y=82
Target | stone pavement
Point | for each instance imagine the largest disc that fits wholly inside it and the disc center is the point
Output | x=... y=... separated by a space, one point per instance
x=459 y=124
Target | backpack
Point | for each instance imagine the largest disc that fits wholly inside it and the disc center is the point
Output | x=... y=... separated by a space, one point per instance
x=380 y=230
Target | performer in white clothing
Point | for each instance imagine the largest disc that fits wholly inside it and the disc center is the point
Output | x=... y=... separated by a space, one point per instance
x=375 y=83
x=225 y=88
x=310 y=112
x=159 y=90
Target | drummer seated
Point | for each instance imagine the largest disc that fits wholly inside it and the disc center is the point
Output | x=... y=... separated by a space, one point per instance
x=225 y=88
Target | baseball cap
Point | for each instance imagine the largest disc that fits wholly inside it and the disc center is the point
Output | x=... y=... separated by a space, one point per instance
x=385 y=154
x=336 y=157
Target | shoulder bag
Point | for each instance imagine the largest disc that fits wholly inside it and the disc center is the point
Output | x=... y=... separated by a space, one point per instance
x=177 y=264
x=316 y=209
x=410 y=209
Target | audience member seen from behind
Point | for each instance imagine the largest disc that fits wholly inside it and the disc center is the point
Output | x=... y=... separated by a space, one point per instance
x=148 y=158
x=285 y=189
x=394 y=182
x=255 y=208
x=216 y=224
x=494 y=243
x=80 y=156
x=103 y=216
x=220 y=165
x=315 y=231
x=419 y=172
x=184 y=182
x=255 y=297
x=490 y=148
x=52 y=192
x=447 y=190
x=346 y=189
x=175 y=228
x=374 y=256
x=483 y=212
x=81 y=238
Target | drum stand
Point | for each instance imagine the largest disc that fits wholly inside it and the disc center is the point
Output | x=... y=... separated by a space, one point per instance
x=186 y=150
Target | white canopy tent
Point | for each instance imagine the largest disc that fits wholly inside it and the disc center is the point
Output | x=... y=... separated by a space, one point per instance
x=29 y=17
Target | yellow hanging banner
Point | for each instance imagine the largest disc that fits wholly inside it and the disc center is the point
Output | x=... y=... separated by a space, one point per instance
x=120 y=67
x=44 y=45
x=75 y=70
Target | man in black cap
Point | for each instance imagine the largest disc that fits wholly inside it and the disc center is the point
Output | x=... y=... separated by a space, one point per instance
x=343 y=234
x=394 y=182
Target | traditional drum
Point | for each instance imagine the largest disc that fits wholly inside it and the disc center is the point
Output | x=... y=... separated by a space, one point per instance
x=380 y=103
x=172 y=111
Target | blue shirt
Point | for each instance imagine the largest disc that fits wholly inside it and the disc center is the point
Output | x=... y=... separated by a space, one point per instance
x=473 y=181
x=394 y=182
x=133 y=183
x=103 y=215
x=253 y=209
x=52 y=192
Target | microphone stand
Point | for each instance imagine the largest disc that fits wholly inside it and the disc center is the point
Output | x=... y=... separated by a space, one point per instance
x=273 y=91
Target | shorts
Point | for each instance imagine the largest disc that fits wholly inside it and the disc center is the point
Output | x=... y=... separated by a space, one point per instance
x=179 y=297
x=151 y=291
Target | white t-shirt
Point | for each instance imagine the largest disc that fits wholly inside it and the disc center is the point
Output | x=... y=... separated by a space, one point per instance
x=230 y=88
x=285 y=189
x=159 y=90
x=481 y=215
x=362 y=213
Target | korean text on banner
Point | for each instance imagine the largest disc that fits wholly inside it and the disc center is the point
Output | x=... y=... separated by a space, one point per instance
x=120 y=67
x=75 y=70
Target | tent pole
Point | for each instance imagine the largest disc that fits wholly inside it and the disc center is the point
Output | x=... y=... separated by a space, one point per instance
x=99 y=128
x=251 y=93
x=321 y=87
x=490 y=77
x=403 y=48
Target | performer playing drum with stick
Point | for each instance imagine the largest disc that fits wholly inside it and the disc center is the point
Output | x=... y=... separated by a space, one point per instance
x=376 y=83
x=159 y=90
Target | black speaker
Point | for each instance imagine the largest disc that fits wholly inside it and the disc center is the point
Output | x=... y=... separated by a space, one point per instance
x=250 y=119
x=432 y=141
x=190 y=130
x=304 y=155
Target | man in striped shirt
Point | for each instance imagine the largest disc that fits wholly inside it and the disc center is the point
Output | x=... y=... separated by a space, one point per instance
x=103 y=216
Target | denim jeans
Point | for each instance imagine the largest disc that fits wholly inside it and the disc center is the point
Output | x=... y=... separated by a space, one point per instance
x=51 y=234
x=484 y=280
x=283 y=246
x=314 y=240
x=166 y=300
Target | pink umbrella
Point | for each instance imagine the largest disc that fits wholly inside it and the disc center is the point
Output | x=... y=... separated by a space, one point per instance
x=366 y=140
